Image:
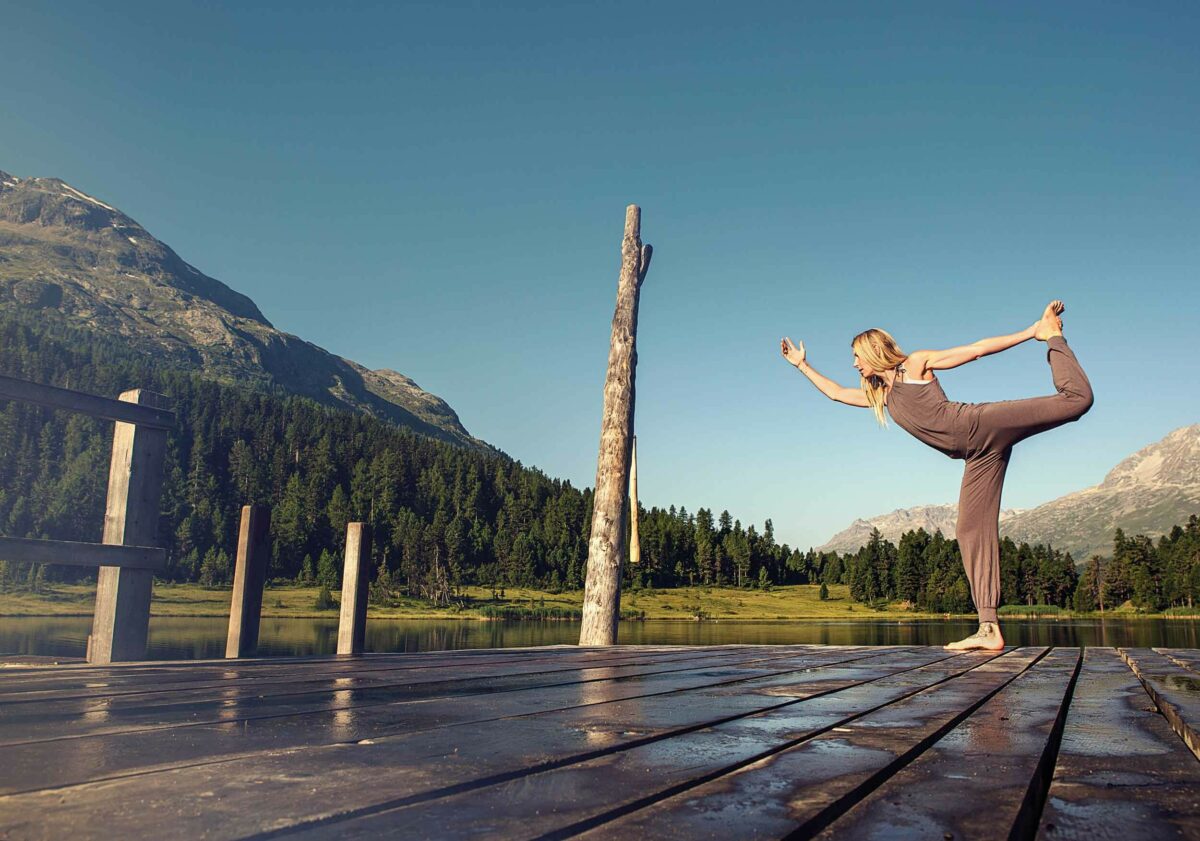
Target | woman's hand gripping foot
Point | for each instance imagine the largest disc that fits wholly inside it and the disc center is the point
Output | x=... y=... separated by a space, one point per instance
x=1051 y=324
x=987 y=638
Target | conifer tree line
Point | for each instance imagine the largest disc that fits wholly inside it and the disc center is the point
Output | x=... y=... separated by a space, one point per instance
x=927 y=572
x=442 y=516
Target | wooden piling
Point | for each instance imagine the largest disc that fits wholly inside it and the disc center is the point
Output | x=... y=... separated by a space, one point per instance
x=122 y=618
x=249 y=576
x=602 y=588
x=352 y=626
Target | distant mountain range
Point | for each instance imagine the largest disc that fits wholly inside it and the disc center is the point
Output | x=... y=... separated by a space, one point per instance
x=1147 y=493
x=66 y=251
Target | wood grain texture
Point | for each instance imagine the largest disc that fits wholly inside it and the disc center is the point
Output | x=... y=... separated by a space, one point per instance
x=851 y=742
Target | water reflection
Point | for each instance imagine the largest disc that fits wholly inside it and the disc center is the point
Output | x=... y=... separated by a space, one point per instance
x=182 y=638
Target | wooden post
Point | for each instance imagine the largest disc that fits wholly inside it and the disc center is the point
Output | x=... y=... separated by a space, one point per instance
x=635 y=545
x=352 y=627
x=135 y=478
x=602 y=589
x=245 y=608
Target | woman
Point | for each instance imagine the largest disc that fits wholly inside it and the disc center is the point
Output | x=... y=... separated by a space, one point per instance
x=982 y=434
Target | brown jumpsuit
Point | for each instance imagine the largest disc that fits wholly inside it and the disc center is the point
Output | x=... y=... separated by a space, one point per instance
x=983 y=435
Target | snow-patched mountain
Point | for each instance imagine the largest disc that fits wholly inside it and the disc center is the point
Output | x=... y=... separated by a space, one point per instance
x=1147 y=493
x=66 y=251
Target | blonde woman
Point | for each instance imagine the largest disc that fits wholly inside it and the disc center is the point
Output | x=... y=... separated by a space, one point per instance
x=982 y=434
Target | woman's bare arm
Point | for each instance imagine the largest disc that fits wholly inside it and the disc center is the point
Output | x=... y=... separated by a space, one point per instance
x=798 y=357
x=940 y=360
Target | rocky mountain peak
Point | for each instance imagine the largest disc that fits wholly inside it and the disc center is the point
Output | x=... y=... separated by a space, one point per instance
x=1175 y=460
x=65 y=250
x=52 y=232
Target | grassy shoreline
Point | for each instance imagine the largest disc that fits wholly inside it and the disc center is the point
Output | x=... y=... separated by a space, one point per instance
x=690 y=604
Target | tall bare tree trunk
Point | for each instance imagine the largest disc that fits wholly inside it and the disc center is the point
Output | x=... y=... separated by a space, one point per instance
x=635 y=545
x=602 y=588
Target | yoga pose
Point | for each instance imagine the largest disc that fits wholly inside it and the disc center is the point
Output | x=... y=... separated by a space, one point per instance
x=982 y=434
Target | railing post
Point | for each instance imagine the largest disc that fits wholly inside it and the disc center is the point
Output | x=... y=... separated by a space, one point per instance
x=352 y=627
x=249 y=575
x=135 y=478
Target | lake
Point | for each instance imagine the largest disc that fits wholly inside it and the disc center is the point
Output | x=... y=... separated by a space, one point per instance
x=184 y=638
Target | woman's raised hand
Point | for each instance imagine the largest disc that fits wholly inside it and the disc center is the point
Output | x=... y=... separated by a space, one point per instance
x=793 y=354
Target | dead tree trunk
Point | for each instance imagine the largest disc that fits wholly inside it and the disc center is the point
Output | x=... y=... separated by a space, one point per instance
x=602 y=589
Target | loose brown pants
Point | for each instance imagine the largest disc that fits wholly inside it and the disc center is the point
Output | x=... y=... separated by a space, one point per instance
x=1000 y=425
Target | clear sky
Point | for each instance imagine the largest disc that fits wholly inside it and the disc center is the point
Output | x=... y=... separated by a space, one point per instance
x=440 y=187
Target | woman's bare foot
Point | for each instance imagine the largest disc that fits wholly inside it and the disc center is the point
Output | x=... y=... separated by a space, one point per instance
x=1051 y=324
x=987 y=638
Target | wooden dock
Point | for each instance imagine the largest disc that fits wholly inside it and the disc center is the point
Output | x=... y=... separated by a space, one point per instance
x=846 y=742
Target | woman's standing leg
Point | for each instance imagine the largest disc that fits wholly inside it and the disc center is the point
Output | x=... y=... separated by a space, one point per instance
x=978 y=528
x=998 y=426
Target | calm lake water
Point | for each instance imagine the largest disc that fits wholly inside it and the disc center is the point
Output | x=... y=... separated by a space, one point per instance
x=179 y=638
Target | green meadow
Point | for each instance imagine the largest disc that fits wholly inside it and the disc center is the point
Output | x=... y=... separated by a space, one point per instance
x=789 y=602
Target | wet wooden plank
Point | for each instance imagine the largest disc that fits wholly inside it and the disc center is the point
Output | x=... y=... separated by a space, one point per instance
x=1188 y=658
x=984 y=778
x=815 y=781
x=72 y=761
x=1121 y=772
x=1175 y=690
x=92 y=681
x=283 y=788
x=563 y=800
x=45 y=719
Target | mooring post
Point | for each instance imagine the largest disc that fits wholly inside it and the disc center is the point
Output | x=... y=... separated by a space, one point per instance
x=135 y=476
x=352 y=626
x=602 y=588
x=249 y=576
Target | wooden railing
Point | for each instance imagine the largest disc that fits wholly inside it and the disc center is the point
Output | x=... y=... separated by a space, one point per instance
x=128 y=555
x=129 y=552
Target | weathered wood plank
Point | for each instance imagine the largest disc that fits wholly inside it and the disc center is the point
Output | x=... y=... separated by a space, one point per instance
x=73 y=553
x=1121 y=772
x=36 y=765
x=813 y=782
x=89 y=404
x=288 y=681
x=1175 y=690
x=33 y=684
x=282 y=788
x=561 y=800
x=72 y=719
x=985 y=778
x=1188 y=658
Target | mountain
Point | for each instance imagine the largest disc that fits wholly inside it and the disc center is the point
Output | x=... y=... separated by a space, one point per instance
x=69 y=253
x=892 y=525
x=1147 y=493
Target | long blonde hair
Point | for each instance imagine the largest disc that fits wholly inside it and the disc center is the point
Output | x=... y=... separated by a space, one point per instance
x=879 y=350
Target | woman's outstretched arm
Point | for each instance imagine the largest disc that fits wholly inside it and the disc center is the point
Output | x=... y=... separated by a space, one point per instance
x=942 y=359
x=797 y=357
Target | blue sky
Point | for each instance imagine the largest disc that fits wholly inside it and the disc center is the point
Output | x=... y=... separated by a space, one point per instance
x=440 y=187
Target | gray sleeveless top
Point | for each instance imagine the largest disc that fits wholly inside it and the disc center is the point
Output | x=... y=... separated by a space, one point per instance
x=926 y=413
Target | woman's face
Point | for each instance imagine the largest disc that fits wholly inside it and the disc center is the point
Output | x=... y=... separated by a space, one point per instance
x=863 y=368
